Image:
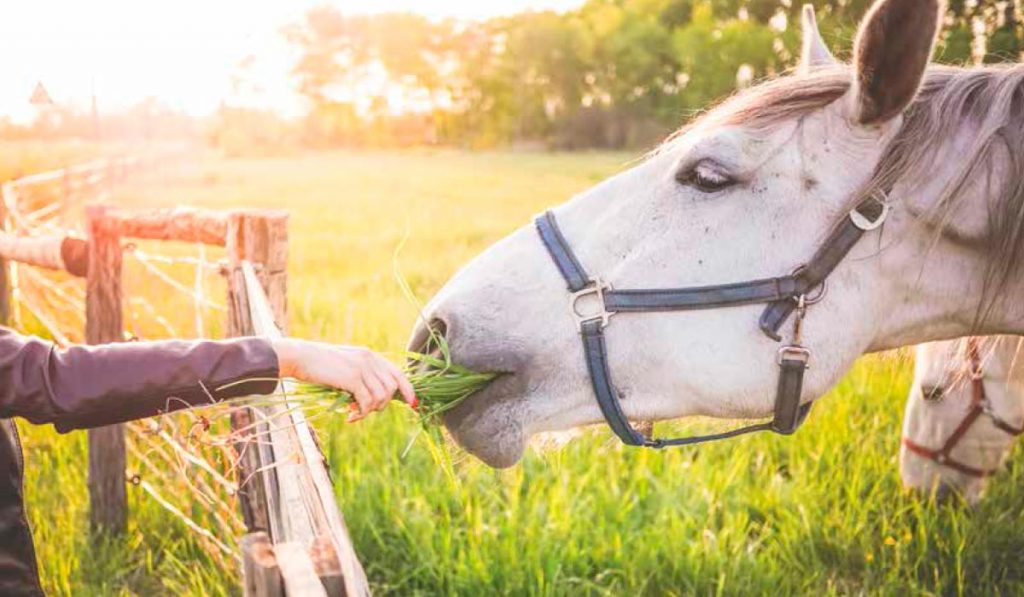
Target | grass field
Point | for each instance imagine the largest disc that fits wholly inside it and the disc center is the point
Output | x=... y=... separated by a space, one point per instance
x=821 y=512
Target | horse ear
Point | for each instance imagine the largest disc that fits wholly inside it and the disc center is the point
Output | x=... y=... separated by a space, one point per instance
x=890 y=55
x=815 y=53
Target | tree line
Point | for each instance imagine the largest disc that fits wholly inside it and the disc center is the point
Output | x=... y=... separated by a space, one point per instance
x=612 y=73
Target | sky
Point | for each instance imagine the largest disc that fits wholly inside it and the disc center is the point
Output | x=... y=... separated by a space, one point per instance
x=183 y=52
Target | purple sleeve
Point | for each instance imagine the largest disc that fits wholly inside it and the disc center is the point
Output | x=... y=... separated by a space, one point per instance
x=92 y=386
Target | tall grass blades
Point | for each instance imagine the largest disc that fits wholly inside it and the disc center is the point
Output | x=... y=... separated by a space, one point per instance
x=440 y=385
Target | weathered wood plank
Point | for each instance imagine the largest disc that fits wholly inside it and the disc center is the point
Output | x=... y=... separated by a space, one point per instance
x=51 y=252
x=261 y=576
x=55 y=175
x=104 y=323
x=85 y=170
x=297 y=570
x=178 y=224
x=294 y=523
x=259 y=236
x=328 y=565
x=311 y=480
x=253 y=479
x=295 y=492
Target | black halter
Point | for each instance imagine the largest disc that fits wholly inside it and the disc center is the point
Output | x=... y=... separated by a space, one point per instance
x=784 y=296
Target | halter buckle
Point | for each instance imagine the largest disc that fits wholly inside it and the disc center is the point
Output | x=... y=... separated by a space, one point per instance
x=861 y=221
x=597 y=312
x=818 y=293
x=794 y=352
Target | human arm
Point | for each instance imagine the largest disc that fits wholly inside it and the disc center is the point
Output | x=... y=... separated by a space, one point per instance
x=91 y=386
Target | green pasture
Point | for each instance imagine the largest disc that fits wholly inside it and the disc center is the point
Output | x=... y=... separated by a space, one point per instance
x=821 y=512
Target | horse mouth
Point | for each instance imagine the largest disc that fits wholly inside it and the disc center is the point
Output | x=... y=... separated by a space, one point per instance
x=488 y=424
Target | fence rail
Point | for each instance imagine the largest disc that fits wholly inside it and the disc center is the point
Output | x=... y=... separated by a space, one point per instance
x=297 y=541
x=88 y=173
x=308 y=529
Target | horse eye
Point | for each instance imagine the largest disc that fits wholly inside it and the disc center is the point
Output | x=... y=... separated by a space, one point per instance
x=705 y=178
x=932 y=393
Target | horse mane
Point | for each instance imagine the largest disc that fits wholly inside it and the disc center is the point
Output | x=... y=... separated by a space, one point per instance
x=984 y=103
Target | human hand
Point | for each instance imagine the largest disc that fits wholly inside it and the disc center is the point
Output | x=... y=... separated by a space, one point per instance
x=371 y=379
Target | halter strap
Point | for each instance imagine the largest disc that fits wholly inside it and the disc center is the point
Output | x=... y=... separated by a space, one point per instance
x=551 y=235
x=1007 y=427
x=786 y=420
x=943 y=455
x=868 y=215
x=781 y=293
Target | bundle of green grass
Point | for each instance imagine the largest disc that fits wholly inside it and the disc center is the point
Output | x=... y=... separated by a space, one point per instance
x=439 y=383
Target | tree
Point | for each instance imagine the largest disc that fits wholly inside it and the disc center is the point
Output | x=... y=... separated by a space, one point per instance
x=610 y=73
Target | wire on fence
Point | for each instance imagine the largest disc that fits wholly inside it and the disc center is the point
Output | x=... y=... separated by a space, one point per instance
x=174 y=463
x=194 y=464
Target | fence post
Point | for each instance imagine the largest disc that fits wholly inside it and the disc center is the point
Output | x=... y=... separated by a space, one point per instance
x=103 y=324
x=261 y=576
x=260 y=237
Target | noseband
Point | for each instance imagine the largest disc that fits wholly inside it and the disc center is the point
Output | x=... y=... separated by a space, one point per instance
x=979 y=406
x=594 y=302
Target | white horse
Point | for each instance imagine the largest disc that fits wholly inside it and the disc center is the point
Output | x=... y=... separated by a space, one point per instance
x=964 y=412
x=749 y=191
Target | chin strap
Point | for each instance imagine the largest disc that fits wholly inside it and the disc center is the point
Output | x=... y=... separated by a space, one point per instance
x=594 y=303
x=789 y=413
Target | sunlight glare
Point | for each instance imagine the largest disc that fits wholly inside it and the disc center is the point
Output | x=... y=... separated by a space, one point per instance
x=193 y=55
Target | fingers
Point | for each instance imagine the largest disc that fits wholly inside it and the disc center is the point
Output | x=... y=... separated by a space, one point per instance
x=364 y=401
x=404 y=387
x=380 y=386
x=381 y=390
x=374 y=382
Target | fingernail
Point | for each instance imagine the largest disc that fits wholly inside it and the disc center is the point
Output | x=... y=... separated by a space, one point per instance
x=414 y=403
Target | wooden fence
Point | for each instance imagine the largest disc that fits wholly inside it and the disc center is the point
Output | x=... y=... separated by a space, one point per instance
x=68 y=189
x=297 y=542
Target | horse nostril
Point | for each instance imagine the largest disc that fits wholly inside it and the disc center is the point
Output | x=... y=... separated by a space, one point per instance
x=423 y=334
x=440 y=327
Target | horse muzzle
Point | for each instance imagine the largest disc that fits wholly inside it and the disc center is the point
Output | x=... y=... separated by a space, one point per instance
x=490 y=423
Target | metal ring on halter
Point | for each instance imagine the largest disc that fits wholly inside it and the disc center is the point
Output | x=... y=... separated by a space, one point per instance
x=810 y=299
x=601 y=313
x=861 y=221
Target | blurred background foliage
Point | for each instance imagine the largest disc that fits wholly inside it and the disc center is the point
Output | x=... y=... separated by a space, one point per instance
x=613 y=73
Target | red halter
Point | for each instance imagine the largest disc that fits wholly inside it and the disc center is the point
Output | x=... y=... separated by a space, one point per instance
x=979 y=406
